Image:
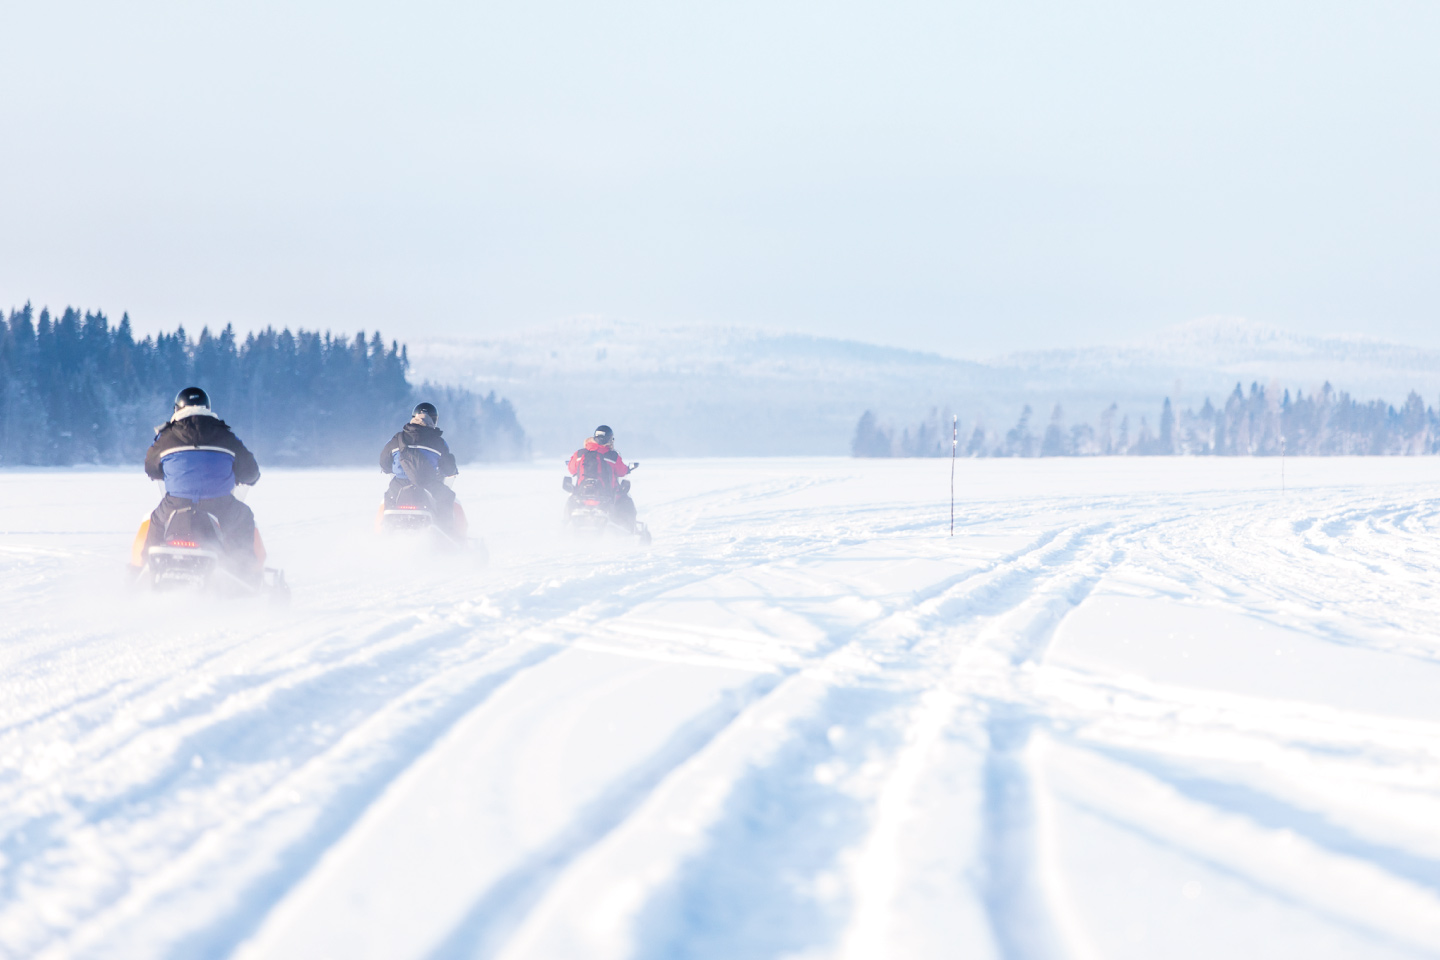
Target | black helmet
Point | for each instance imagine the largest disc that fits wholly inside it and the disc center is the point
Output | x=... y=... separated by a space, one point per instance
x=428 y=411
x=604 y=435
x=191 y=397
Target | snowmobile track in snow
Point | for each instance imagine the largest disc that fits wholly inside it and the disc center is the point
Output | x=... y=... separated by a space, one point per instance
x=1164 y=712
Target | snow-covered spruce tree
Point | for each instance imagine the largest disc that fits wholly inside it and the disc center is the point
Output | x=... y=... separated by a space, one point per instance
x=1165 y=443
x=1019 y=441
x=871 y=439
x=978 y=444
x=1237 y=429
x=1055 y=442
x=1414 y=425
x=1203 y=436
x=1145 y=440
x=1105 y=439
x=930 y=439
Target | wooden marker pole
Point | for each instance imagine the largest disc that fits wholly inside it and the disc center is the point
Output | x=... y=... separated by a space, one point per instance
x=954 y=442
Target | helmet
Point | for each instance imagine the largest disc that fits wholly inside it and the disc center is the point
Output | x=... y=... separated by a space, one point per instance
x=604 y=435
x=191 y=397
x=426 y=411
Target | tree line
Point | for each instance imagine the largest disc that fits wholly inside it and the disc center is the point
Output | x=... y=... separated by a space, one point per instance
x=76 y=388
x=1324 y=423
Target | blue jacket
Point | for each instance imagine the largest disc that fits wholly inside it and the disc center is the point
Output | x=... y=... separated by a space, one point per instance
x=425 y=445
x=199 y=458
x=199 y=474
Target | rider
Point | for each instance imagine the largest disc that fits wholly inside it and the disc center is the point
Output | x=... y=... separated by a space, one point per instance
x=418 y=455
x=599 y=460
x=201 y=462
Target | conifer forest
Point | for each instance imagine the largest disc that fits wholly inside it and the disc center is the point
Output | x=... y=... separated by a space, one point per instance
x=1326 y=422
x=77 y=389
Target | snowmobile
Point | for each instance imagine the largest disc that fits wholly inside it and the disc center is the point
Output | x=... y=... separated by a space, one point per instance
x=591 y=510
x=413 y=514
x=193 y=556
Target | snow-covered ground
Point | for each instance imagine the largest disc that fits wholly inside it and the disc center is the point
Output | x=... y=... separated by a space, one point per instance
x=1134 y=708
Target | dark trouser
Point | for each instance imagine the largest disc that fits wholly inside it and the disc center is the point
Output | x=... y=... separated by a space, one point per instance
x=444 y=497
x=235 y=522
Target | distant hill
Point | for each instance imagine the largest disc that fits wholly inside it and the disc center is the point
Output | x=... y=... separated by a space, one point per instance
x=1214 y=353
x=689 y=391
x=705 y=389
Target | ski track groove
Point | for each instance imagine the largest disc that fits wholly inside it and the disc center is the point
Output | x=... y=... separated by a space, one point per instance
x=999 y=591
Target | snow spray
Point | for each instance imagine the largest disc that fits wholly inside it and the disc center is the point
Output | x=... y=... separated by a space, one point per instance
x=954 y=441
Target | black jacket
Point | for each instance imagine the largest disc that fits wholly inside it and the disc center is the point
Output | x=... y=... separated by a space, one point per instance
x=422 y=438
x=200 y=433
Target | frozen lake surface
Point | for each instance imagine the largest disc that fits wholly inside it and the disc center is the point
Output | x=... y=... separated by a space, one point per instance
x=1134 y=708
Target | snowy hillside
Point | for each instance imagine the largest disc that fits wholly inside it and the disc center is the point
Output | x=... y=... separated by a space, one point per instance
x=692 y=390
x=1210 y=355
x=1133 y=709
x=698 y=390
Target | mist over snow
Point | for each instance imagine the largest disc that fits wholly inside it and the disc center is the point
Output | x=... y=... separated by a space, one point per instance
x=697 y=389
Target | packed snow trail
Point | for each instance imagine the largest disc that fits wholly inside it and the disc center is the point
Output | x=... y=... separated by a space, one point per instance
x=1132 y=709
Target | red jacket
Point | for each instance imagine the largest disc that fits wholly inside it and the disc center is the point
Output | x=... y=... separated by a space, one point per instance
x=611 y=467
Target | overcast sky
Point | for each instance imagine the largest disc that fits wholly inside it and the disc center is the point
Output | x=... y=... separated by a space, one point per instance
x=965 y=177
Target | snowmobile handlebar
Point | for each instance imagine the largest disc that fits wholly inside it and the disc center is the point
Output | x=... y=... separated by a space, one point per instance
x=633 y=466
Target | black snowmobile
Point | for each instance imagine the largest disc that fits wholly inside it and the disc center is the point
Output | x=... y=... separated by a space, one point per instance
x=591 y=510
x=413 y=514
x=193 y=556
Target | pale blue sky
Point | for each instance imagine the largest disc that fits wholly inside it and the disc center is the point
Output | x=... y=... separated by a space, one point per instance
x=967 y=177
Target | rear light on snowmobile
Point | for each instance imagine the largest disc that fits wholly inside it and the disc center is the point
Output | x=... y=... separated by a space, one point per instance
x=406 y=507
x=182 y=543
